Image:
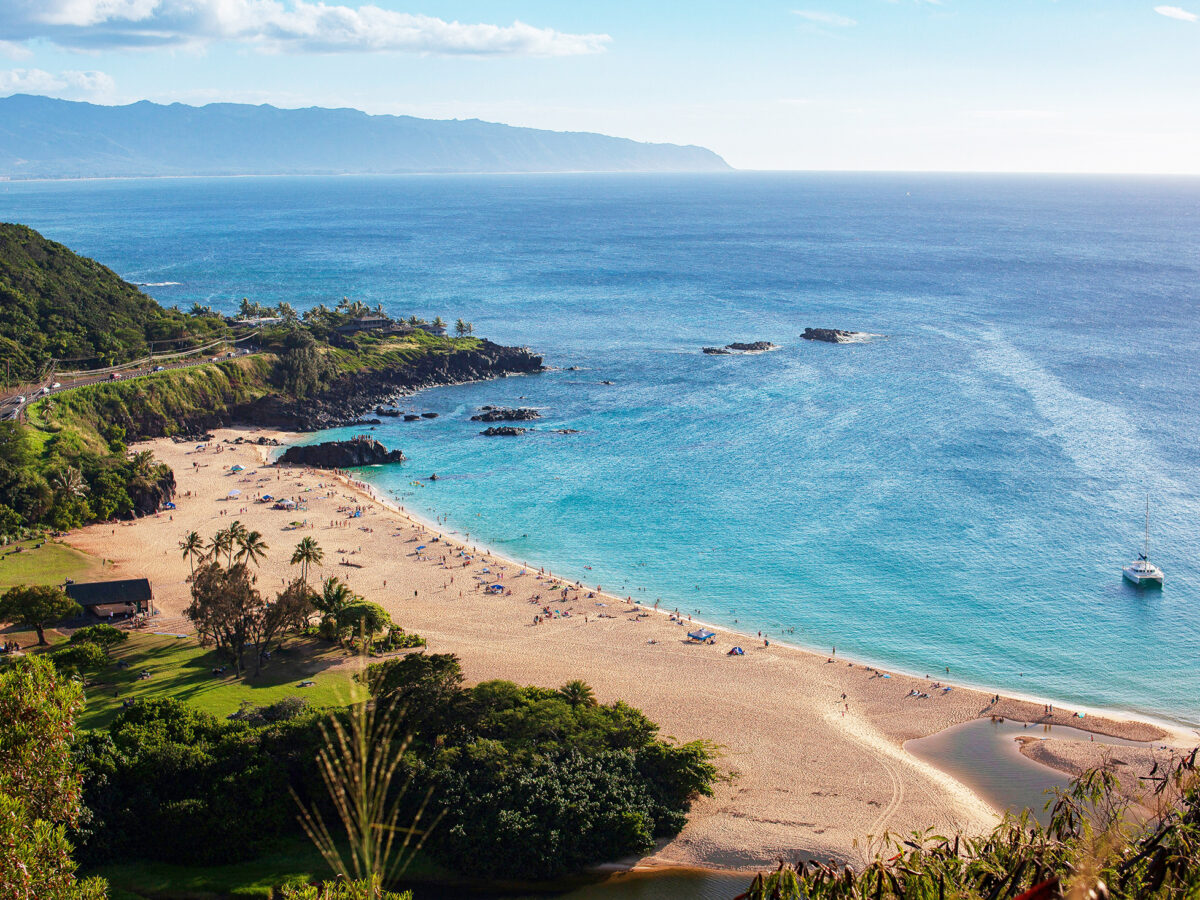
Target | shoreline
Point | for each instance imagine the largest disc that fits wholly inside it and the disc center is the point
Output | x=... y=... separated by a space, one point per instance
x=812 y=748
x=1171 y=729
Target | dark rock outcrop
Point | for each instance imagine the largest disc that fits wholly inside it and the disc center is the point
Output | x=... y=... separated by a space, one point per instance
x=736 y=347
x=429 y=415
x=358 y=451
x=503 y=431
x=388 y=411
x=353 y=395
x=411 y=417
x=834 y=335
x=504 y=414
x=149 y=496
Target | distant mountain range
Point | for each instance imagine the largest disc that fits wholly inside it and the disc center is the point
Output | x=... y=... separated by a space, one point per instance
x=41 y=137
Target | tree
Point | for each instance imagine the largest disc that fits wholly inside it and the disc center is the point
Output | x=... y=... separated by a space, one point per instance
x=578 y=693
x=37 y=606
x=364 y=619
x=307 y=553
x=192 y=546
x=220 y=543
x=439 y=322
x=251 y=547
x=39 y=784
x=103 y=636
x=143 y=462
x=334 y=597
x=291 y=609
x=224 y=606
x=68 y=483
x=461 y=328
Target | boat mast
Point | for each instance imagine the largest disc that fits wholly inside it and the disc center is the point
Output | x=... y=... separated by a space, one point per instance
x=1146 y=547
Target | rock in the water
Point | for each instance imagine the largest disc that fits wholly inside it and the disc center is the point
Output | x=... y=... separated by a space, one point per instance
x=835 y=335
x=411 y=417
x=429 y=415
x=387 y=411
x=358 y=451
x=504 y=414
x=503 y=431
x=566 y=431
x=753 y=347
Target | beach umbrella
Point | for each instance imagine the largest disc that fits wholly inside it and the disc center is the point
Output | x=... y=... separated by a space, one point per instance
x=235 y=493
x=422 y=547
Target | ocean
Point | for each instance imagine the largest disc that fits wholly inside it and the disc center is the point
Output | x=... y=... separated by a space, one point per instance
x=959 y=492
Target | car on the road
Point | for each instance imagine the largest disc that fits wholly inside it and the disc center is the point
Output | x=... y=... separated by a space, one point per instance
x=19 y=399
x=159 y=368
x=56 y=386
x=113 y=376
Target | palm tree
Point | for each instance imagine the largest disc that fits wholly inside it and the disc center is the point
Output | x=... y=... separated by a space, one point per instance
x=308 y=552
x=219 y=543
x=142 y=461
x=461 y=328
x=439 y=322
x=577 y=693
x=335 y=596
x=192 y=546
x=69 y=482
x=251 y=547
x=237 y=534
x=415 y=320
x=286 y=311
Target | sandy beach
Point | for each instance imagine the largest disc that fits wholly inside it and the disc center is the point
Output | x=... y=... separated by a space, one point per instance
x=812 y=744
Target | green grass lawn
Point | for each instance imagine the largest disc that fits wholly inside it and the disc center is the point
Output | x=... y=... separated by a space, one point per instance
x=294 y=862
x=181 y=669
x=52 y=563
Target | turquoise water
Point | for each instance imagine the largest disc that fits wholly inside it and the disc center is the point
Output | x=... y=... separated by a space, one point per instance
x=960 y=493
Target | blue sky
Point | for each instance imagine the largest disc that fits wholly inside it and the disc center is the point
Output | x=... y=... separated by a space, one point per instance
x=955 y=85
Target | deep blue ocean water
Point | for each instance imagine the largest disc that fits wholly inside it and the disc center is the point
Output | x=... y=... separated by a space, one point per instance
x=961 y=493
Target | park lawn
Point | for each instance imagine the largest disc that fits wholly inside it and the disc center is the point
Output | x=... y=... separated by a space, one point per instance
x=52 y=563
x=295 y=861
x=181 y=669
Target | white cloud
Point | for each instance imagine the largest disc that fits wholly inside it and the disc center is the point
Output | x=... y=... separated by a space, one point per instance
x=277 y=26
x=69 y=85
x=1015 y=115
x=825 y=18
x=1175 y=12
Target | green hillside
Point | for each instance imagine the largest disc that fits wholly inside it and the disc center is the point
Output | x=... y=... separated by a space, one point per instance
x=55 y=304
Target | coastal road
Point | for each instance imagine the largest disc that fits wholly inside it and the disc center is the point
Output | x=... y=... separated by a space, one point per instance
x=12 y=406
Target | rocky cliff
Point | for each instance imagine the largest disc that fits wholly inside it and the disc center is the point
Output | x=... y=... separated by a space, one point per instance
x=347 y=399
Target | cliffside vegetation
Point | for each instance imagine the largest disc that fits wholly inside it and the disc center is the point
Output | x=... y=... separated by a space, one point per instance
x=68 y=463
x=55 y=304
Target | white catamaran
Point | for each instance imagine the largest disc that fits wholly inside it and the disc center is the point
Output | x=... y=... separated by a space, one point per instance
x=1141 y=571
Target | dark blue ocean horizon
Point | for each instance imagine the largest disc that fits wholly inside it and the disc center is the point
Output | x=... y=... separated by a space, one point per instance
x=962 y=492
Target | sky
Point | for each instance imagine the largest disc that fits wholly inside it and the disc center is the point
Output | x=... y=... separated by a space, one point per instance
x=923 y=85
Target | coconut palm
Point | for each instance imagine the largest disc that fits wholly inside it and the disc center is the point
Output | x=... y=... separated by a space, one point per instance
x=237 y=534
x=192 y=546
x=142 y=462
x=334 y=597
x=462 y=328
x=439 y=322
x=577 y=693
x=219 y=543
x=251 y=547
x=308 y=552
x=69 y=482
